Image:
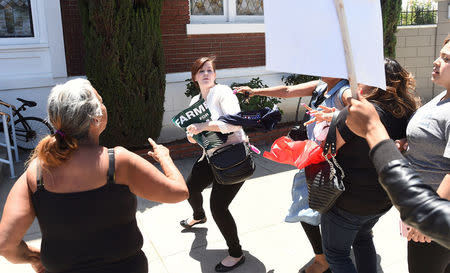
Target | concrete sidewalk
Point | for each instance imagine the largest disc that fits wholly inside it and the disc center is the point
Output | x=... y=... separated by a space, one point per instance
x=270 y=244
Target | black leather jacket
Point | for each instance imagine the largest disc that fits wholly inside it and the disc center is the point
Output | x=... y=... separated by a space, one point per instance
x=418 y=203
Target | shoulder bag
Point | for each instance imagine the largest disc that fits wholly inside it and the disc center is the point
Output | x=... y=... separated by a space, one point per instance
x=325 y=179
x=232 y=164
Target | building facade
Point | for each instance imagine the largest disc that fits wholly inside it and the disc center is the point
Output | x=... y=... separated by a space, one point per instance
x=41 y=44
x=53 y=50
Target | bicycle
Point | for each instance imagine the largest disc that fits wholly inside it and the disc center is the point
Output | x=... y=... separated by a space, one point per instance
x=29 y=130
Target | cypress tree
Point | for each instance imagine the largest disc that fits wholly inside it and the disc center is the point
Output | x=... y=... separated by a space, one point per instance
x=390 y=10
x=125 y=63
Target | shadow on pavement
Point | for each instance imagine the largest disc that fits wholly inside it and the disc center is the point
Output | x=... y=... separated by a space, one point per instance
x=379 y=269
x=210 y=258
x=306 y=265
x=352 y=256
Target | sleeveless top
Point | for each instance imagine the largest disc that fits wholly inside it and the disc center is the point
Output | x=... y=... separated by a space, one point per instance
x=89 y=231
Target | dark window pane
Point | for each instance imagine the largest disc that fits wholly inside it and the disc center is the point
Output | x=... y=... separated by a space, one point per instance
x=249 y=7
x=15 y=19
x=206 y=7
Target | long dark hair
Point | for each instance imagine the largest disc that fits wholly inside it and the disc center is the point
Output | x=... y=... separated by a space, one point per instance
x=399 y=97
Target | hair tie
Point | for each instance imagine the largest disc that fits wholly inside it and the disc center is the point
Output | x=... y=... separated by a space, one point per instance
x=60 y=133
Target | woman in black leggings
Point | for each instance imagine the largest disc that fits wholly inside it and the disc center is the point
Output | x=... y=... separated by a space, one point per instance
x=219 y=100
x=221 y=197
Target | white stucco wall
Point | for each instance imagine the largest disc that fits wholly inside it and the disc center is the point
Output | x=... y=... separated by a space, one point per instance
x=177 y=101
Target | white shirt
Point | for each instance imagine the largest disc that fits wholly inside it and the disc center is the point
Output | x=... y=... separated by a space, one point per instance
x=221 y=101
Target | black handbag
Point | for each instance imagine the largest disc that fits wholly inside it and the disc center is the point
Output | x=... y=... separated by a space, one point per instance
x=325 y=179
x=232 y=164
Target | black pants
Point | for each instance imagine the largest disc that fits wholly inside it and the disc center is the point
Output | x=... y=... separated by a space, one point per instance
x=428 y=258
x=313 y=234
x=221 y=196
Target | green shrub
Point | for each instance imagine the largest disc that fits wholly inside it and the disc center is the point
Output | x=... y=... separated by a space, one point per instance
x=191 y=89
x=418 y=13
x=255 y=102
x=125 y=63
x=294 y=79
x=422 y=13
x=390 y=10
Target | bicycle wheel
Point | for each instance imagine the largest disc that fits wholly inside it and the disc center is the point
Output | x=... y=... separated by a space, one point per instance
x=30 y=130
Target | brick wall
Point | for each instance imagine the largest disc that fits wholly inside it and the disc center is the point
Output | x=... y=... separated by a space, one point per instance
x=73 y=38
x=232 y=50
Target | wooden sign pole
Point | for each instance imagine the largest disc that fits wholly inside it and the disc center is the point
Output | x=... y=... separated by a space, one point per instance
x=347 y=46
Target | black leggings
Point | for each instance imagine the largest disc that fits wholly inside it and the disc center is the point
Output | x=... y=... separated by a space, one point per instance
x=313 y=234
x=221 y=196
x=428 y=258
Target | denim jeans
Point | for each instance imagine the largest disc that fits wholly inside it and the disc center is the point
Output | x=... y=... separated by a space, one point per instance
x=340 y=231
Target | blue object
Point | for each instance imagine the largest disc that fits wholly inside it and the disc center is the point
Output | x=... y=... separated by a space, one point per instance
x=265 y=118
x=300 y=210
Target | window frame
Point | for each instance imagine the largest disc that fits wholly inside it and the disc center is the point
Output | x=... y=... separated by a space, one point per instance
x=35 y=61
x=229 y=15
x=39 y=33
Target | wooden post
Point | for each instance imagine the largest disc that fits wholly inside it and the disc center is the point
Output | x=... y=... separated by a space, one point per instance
x=347 y=46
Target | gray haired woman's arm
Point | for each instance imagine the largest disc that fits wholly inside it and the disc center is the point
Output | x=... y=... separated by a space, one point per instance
x=145 y=180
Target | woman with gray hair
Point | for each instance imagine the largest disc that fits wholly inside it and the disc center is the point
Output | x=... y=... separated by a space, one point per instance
x=83 y=194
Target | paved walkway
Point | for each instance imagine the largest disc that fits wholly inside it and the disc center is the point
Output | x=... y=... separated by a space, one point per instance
x=270 y=244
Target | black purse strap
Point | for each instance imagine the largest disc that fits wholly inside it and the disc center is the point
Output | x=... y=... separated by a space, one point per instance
x=330 y=142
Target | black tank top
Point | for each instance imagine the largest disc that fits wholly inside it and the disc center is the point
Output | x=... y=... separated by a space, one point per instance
x=90 y=231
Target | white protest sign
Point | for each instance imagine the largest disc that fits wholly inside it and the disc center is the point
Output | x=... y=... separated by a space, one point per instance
x=304 y=37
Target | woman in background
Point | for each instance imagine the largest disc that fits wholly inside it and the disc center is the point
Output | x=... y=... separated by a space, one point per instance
x=220 y=101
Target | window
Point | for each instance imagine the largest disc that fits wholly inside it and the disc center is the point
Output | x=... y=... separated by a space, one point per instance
x=210 y=11
x=31 y=44
x=15 y=19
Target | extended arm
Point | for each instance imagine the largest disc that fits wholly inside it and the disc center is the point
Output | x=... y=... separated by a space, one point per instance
x=18 y=215
x=283 y=91
x=418 y=203
x=145 y=180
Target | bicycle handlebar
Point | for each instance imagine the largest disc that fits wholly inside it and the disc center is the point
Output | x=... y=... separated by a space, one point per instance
x=7 y=105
